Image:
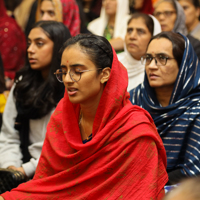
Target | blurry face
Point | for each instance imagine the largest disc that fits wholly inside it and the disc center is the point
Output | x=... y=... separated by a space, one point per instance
x=40 y=50
x=137 y=38
x=89 y=88
x=165 y=75
x=110 y=6
x=166 y=15
x=190 y=11
x=47 y=11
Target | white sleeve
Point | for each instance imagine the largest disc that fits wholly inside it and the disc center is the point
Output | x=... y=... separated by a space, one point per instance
x=10 y=152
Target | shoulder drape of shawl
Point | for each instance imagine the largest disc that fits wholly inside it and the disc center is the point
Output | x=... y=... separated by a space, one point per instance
x=12 y=43
x=179 y=123
x=98 y=25
x=124 y=160
x=66 y=11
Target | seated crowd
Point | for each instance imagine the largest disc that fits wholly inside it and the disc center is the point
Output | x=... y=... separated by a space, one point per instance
x=99 y=99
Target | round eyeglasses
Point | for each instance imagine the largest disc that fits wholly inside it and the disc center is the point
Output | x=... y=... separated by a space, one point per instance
x=160 y=60
x=74 y=73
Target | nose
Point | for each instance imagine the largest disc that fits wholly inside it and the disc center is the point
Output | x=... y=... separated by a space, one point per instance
x=153 y=64
x=45 y=16
x=67 y=78
x=133 y=34
x=31 y=49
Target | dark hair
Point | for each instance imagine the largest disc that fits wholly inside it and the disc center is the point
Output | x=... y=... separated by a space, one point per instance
x=178 y=44
x=196 y=3
x=97 y=48
x=12 y=4
x=33 y=92
x=147 y=20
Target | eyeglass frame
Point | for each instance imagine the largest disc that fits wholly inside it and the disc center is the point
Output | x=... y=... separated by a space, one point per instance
x=82 y=71
x=165 y=13
x=156 y=62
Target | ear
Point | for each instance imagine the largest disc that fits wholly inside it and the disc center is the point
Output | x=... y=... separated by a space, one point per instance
x=105 y=75
x=197 y=12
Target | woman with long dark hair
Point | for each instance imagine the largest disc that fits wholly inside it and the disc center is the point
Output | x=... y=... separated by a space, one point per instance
x=32 y=99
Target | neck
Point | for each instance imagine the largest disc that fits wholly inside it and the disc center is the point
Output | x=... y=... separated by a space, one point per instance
x=111 y=20
x=88 y=111
x=192 y=26
x=163 y=95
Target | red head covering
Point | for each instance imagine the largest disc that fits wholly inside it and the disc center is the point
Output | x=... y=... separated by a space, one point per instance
x=125 y=158
x=12 y=43
x=66 y=11
x=147 y=7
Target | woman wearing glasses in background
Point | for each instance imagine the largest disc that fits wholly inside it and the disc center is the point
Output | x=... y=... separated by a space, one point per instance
x=171 y=16
x=170 y=92
x=98 y=145
x=32 y=100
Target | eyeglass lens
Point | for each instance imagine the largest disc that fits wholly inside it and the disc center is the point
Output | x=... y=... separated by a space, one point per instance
x=74 y=75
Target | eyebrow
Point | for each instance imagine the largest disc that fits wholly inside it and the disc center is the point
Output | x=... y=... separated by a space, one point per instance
x=39 y=38
x=157 y=54
x=74 y=65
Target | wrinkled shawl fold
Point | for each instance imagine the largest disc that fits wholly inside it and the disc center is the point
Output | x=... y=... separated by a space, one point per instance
x=124 y=160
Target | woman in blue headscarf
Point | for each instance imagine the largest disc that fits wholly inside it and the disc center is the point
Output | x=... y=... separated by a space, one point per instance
x=171 y=94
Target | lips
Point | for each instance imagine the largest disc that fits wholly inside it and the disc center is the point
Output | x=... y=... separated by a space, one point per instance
x=72 y=91
x=32 y=60
x=132 y=45
x=153 y=76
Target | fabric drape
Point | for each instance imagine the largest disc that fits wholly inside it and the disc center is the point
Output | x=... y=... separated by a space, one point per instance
x=12 y=43
x=124 y=160
x=178 y=123
x=66 y=11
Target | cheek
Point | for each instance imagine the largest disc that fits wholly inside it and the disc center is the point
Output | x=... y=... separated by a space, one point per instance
x=143 y=44
x=46 y=55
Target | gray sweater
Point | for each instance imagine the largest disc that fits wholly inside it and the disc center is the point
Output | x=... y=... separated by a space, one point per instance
x=10 y=152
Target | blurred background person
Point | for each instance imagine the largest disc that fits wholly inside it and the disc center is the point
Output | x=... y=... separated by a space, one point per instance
x=144 y=6
x=186 y=190
x=32 y=100
x=112 y=22
x=13 y=45
x=192 y=11
x=141 y=27
x=171 y=16
x=65 y=11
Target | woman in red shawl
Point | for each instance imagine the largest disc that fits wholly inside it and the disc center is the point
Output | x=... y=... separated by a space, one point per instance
x=98 y=145
x=65 y=11
x=12 y=45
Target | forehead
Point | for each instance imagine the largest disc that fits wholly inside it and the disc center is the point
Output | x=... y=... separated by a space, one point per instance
x=164 y=6
x=75 y=54
x=137 y=23
x=37 y=33
x=47 y=5
x=186 y=2
x=160 y=45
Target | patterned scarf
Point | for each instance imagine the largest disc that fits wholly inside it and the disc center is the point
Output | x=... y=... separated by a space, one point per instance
x=178 y=123
x=124 y=160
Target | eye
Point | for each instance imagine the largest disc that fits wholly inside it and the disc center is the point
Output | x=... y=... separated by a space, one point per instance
x=141 y=31
x=28 y=44
x=77 y=71
x=149 y=58
x=162 y=58
x=129 y=30
x=51 y=13
x=39 y=44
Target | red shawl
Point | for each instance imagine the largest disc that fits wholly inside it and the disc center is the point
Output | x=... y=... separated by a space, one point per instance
x=147 y=7
x=71 y=16
x=12 y=43
x=124 y=160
